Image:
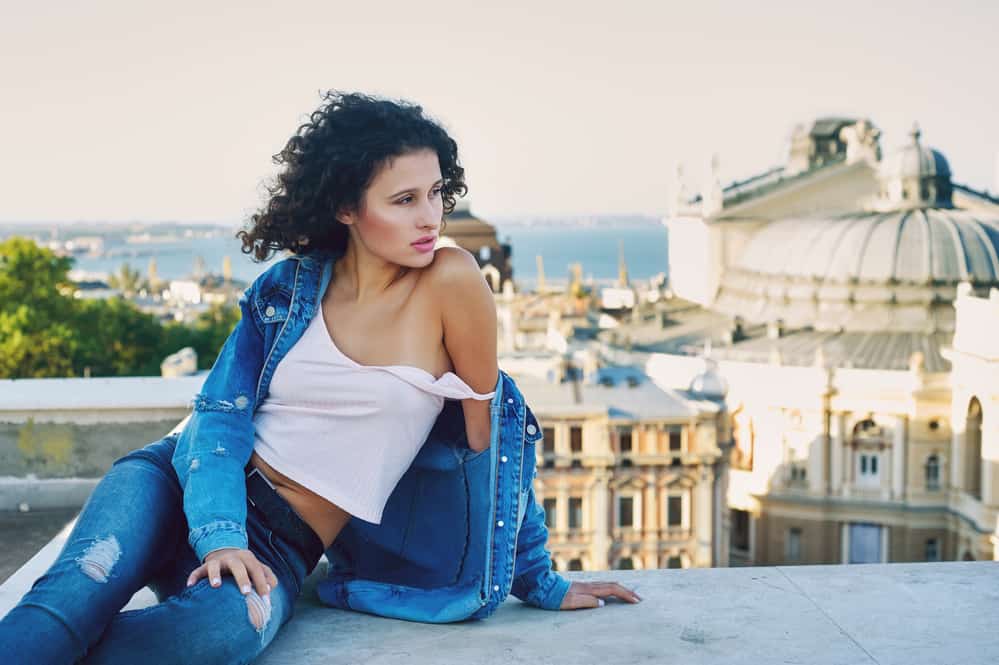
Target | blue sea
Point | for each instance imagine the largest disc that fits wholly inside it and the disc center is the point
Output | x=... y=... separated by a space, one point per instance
x=595 y=247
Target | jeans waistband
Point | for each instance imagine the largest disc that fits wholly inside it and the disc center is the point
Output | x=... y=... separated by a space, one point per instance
x=281 y=518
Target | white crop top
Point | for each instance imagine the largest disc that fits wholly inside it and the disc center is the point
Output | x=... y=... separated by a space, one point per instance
x=346 y=431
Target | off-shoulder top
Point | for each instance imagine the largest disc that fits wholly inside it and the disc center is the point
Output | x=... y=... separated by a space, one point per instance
x=344 y=430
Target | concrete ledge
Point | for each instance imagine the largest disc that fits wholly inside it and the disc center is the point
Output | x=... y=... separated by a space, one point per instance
x=904 y=614
x=45 y=493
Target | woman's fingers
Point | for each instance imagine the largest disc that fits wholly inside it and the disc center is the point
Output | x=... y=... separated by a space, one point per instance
x=606 y=589
x=197 y=574
x=258 y=574
x=239 y=575
x=214 y=572
x=247 y=571
x=592 y=594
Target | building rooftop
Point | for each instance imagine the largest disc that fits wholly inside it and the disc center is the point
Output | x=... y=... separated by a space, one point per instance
x=905 y=614
x=642 y=401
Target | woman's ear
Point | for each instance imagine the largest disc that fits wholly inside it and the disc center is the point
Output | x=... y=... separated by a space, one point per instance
x=345 y=217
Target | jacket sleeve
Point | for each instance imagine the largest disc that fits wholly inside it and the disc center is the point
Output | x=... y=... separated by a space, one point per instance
x=216 y=444
x=534 y=581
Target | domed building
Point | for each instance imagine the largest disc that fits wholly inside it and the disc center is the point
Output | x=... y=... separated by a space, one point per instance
x=827 y=289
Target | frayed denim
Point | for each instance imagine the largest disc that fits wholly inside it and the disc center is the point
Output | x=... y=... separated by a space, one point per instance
x=132 y=533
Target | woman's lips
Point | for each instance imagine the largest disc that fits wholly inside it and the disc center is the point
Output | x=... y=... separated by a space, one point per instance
x=425 y=245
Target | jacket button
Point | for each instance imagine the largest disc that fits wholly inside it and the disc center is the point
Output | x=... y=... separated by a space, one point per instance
x=496 y=587
x=270 y=310
x=509 y=400
x=499 y=523
x=531 y=429
x=503 y=458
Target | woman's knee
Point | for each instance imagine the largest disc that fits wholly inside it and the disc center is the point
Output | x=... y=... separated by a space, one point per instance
x=159 y=453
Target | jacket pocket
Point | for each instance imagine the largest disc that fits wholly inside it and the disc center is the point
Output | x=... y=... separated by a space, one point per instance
x=273 y=304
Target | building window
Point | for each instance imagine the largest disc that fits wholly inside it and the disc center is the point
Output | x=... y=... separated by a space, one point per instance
x=933 y=550
x=674 y=562
x=626 y=563
x=554 y=565
x=740 y=529
x=866 y=543
x=792 y=548
x=932 y=473
x=868 y=472
x=575 y=512
x=548 y=447
x=625 y=511
x=576 y=445
x=798 y=472
x=575 y=564
x=675 y=440
x=674 y=511
x=625 y=438
x=551 y=506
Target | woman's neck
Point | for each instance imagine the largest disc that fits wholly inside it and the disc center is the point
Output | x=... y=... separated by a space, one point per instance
x=360 y=276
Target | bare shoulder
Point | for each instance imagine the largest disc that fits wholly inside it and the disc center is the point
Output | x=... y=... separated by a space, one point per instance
x=454 y=265
x=455 y=272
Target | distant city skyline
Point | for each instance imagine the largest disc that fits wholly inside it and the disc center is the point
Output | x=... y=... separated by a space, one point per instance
x=114 y=113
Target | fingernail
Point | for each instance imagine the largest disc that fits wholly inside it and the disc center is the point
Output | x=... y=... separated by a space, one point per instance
x=268 y=588
x=267 y=599
x=190 y=583
x=246 y=588
x=600 y=602
x=216 y=581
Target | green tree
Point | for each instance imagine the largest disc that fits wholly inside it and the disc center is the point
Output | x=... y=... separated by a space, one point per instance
x=45 y=332
x=36 y=311
x=206 y=336
x=127 y=280
x=116 y=338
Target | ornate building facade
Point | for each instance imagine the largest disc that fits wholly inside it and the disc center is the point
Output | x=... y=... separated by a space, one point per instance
x=630 y=476
x=838 y=293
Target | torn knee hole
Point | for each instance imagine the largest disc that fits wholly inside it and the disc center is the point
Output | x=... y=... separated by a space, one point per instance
x=259 y=610
x=99 y=559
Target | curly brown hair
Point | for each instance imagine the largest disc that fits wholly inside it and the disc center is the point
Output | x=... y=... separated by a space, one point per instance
x=329 y=164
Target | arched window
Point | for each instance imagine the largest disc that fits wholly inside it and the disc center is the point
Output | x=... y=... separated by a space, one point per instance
x=973 y=450
x=625 y=563
x=932 y=473
x=575 y=564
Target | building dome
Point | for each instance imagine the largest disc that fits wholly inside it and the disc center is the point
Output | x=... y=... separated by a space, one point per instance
x=709 y=382
x=915 y=175
x=922 y=246
x=894 y=270
x=915 y=160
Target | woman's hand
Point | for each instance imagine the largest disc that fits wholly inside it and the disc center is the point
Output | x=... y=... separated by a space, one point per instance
x=591 y=594
x=241 y=564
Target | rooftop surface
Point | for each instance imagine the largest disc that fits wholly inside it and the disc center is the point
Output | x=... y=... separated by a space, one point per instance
x=905 y=614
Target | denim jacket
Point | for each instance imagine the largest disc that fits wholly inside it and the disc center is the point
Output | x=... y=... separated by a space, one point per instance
x=461 y=530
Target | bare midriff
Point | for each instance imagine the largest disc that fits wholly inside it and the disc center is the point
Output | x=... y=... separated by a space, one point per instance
x=325 y=518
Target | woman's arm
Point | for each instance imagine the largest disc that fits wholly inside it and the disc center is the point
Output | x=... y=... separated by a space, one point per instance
x=468 y=315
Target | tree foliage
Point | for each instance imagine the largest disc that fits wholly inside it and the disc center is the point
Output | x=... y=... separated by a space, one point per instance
x=45 y=332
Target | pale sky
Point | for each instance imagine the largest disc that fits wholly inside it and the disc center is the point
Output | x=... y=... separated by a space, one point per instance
x=121 y=111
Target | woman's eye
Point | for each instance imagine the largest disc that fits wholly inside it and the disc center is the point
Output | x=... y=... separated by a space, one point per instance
x=406 y=199
x=437 y=191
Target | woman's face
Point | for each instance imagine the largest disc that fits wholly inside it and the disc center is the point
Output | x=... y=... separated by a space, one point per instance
x=400 y=214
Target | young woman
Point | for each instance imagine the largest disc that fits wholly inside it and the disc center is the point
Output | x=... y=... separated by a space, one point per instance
x=321 y=398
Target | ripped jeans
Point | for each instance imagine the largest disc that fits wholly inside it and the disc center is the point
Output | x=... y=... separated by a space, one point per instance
x=132 y=533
